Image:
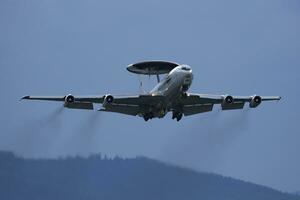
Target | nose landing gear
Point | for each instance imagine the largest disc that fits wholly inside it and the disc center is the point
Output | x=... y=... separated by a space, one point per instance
x=177 y=115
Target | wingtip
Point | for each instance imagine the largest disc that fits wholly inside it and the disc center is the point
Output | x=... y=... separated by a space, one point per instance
x=25 y=97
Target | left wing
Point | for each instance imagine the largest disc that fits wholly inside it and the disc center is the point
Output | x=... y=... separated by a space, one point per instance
x=130 y=105
x=198 y=103
x=70 y=101
x=91 y=99
x=127 y=100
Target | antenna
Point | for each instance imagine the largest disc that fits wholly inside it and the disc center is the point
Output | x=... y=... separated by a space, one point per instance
x=154 y=67
x=141 y=90
x=157 y=76
x=149 y=82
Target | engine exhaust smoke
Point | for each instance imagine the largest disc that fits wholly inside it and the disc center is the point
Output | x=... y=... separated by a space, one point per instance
x=36 y=134
x=204 y=144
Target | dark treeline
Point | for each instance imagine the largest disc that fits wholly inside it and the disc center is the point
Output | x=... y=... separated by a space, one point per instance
x=114 y=179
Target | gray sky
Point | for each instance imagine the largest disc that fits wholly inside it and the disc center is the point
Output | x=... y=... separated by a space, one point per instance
x=56 y=47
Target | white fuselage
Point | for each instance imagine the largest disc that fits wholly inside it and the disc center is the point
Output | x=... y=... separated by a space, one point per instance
x=172 y=87
x=177 y=82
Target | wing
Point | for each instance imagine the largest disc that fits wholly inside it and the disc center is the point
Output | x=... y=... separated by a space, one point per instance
x=70 y=101
x=135 y=100
x=123 y=109
x=198 y=103
x=91 y=99
x=130 y=105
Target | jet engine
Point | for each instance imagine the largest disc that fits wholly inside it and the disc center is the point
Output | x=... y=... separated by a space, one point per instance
x=228 y=100
x=108 y=99
x=255 y=101
x=70 y=102
x=69 y=98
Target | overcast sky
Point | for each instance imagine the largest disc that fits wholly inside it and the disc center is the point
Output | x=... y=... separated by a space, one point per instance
x=56 y=47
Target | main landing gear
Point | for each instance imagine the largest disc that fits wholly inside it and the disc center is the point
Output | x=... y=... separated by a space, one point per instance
x=177 y=116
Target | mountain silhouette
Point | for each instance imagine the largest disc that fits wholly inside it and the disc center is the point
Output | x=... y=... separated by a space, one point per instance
x=98 y=177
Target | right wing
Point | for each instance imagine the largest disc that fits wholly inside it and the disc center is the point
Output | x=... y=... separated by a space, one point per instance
x=199 y=103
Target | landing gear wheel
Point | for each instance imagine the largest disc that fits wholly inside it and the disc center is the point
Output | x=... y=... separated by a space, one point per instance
x=179 y=117
x=174 y=115
x=146 y=118
x=151 y=116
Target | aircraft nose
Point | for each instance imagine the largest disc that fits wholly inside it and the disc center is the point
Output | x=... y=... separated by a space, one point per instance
x=189 y=75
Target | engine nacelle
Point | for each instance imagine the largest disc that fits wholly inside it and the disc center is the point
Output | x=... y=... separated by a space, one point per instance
x=108 y=99
x=228 y=100
x=69 y=99
x=255 y=101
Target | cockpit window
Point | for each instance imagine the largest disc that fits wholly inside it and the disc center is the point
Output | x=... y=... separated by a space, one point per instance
x=185 y=68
